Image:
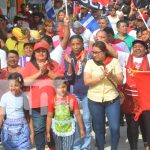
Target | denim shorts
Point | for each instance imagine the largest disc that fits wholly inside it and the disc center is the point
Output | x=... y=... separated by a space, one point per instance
x=15 y=134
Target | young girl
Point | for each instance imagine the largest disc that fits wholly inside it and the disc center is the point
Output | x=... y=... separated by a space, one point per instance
x=14 y=105
x=62 y=107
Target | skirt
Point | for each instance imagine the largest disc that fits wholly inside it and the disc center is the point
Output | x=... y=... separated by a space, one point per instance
x=15 y=134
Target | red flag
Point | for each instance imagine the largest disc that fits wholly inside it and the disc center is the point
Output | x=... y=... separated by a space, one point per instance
x=103 y=2
x=142 y=80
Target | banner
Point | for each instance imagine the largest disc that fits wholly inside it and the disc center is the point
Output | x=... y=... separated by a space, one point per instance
x=91 y=4
x=102 y=2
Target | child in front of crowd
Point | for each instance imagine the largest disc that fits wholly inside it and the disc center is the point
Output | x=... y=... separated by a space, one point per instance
x=63 y=107
x=16 y=123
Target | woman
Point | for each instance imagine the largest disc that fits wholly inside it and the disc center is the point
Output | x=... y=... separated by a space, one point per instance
x=74 y=67
x=49 y=28
x=38 y=73
x=99 y=73
x=145 y=36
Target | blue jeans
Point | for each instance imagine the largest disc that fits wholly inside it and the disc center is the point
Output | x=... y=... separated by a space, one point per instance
x=39 y=122
x=83 y=144
x=112 y=112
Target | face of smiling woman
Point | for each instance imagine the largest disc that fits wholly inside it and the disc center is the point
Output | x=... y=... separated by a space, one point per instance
x=41 y=55
x=138 y=50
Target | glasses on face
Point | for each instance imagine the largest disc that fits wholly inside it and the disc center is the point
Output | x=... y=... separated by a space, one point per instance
x=96 y=52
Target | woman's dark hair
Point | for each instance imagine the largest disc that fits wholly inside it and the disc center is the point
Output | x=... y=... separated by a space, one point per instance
x=76 y=37
x=144 y=29
x=33 y=60
x=48 y=39
x=29 y=43
x=61 y=11
x=18 y=77
x=109 y=30
x=101 y=45
x=22 y=6
x=12 y=51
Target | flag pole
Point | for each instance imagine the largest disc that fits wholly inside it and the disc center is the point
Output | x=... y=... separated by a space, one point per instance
x=66 y=7
x=143 y=19
x=74 y=4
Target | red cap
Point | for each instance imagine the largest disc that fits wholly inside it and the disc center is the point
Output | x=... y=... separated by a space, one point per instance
x=41 y=44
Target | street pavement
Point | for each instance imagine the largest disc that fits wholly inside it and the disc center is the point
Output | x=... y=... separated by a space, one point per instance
x=123 y=143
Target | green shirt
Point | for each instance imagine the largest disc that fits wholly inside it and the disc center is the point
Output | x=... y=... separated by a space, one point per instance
x=128 y=40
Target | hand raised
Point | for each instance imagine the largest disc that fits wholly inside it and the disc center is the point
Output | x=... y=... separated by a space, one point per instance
x=67 y=59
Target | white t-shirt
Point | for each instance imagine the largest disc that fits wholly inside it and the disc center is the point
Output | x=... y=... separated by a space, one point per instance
x=14 y=105
x=86 y=35
x=123 y=59
x=3 y=62
x=113 y=22
x=57 y=54
x=133 y=33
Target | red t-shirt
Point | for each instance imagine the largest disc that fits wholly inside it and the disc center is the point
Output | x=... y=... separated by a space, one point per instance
x=42 y=90
x=73 y=103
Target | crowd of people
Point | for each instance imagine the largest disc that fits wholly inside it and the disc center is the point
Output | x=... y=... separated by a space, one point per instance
x=59 y=81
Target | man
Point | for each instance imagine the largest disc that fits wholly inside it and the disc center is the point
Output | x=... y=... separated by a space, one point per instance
x=103 y=23
x=138 y=60
x=83 y=32
x=117 y=43
x=122 y=34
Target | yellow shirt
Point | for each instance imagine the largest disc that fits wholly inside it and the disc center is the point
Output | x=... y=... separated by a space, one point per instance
x=12 y=45
x=104 y=90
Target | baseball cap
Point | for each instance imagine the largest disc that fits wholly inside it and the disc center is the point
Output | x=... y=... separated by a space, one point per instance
x=41 y=44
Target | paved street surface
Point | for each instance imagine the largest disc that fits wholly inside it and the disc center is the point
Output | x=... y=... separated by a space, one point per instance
x=123 y=143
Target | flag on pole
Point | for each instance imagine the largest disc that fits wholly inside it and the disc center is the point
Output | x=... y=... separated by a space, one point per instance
x=102 y=2
x=90 y=23
x=49 y=9
x=142 y=79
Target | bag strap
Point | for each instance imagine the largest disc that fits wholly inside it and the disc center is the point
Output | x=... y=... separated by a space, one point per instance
x=113 y=84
